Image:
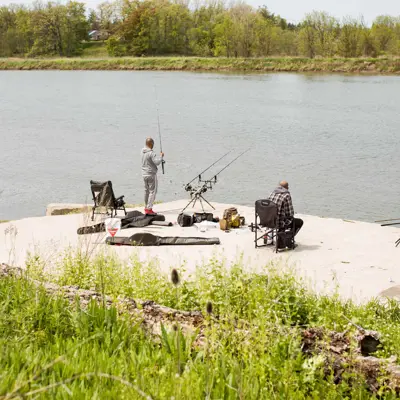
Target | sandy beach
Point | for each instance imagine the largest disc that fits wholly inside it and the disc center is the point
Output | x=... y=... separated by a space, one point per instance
x=359 y=259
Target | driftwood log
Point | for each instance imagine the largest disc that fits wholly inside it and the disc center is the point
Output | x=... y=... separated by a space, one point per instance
x=152 y=315
x=336 y=347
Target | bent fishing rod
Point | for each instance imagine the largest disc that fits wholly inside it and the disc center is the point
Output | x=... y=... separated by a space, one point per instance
x=159 y=132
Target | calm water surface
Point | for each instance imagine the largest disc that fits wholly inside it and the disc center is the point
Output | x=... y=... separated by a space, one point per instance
x=334 y=138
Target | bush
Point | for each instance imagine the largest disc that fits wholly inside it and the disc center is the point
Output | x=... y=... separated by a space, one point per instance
x=115 y=48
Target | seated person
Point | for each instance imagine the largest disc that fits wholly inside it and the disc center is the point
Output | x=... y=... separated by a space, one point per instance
x=282 y=198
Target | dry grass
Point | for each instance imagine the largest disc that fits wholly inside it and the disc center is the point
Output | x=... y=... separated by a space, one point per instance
x=272 y=64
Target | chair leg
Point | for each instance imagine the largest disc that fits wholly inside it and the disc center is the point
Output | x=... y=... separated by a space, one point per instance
x=93 y=213
x=255 y=230
x=276 y=241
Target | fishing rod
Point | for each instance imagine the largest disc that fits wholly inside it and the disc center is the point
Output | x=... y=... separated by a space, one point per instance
x=159 y=131
x=226 y=166
x=388 y=220
x=196 y=193
x=202 y=172
x=393 y=223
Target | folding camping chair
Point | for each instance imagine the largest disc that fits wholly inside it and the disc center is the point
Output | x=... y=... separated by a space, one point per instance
x=103 y=196
x=266 y=212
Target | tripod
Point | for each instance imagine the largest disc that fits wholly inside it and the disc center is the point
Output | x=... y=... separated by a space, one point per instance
x=198 y=196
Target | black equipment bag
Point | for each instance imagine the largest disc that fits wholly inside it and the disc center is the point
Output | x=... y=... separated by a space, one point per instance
x=200 y=217
x=185 y=220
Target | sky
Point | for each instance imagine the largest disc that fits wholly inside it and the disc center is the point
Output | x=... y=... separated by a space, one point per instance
x=294 y=10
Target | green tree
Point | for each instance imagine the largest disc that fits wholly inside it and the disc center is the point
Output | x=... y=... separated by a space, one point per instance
x=108 y=17
x=307 y=40
x=235 y=32
x=369 y=45
x=224 y=36
x=287 y=43
x=384 y=32
x=58 y=29
x=202 y=34
x=7 y=27
x=150 y=28
x=267 y=37
x=93 y=20
x=206 y=28
x=350 y=38
x=318 y=34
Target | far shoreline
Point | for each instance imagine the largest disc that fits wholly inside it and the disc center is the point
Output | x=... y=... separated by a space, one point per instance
x=352 y=66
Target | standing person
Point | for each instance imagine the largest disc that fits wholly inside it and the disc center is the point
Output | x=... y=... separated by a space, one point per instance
x=149 y=173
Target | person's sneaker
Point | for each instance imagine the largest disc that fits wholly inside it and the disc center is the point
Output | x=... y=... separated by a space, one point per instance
x=150 y=212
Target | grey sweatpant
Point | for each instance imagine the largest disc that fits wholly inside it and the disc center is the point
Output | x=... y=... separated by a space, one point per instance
x=150 y=190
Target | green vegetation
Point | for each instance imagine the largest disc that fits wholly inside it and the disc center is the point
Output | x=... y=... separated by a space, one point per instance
x=383 y=66
x=170 y=27
x=94 y=50
x=51 y=349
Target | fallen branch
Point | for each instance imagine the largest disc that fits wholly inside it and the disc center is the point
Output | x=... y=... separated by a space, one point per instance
x=152 y=315
x=339 y=356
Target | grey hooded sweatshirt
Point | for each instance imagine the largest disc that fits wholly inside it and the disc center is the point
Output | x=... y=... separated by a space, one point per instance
x=149 y=162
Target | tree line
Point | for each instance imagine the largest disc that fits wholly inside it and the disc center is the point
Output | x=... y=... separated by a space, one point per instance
x=178 y=27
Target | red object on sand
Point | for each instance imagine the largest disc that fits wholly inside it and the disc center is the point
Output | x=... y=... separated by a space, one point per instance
x=113 y=231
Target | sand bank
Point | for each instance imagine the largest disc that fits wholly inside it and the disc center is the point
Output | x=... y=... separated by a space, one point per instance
x=358 y=258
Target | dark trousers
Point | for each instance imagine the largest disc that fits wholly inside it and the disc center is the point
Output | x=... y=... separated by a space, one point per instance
x=288 y=241
x=297 y=224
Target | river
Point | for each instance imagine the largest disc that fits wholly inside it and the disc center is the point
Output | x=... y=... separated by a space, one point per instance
x=335 y=138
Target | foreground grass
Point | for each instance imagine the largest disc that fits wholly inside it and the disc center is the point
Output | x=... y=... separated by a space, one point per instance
x=288 y=64
x=52 y=350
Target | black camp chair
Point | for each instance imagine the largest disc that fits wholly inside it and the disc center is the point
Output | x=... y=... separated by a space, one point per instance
x=103 y=196
x=266 y=217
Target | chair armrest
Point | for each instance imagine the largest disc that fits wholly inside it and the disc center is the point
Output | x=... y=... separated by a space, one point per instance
x=119 y=202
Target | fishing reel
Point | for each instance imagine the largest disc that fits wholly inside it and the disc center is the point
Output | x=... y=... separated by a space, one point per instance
x=196 y=190
x=204 y=185
x=188 y=188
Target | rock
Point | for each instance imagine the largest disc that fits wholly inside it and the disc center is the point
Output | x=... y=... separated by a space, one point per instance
x=66 y=208
x=393 y=293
